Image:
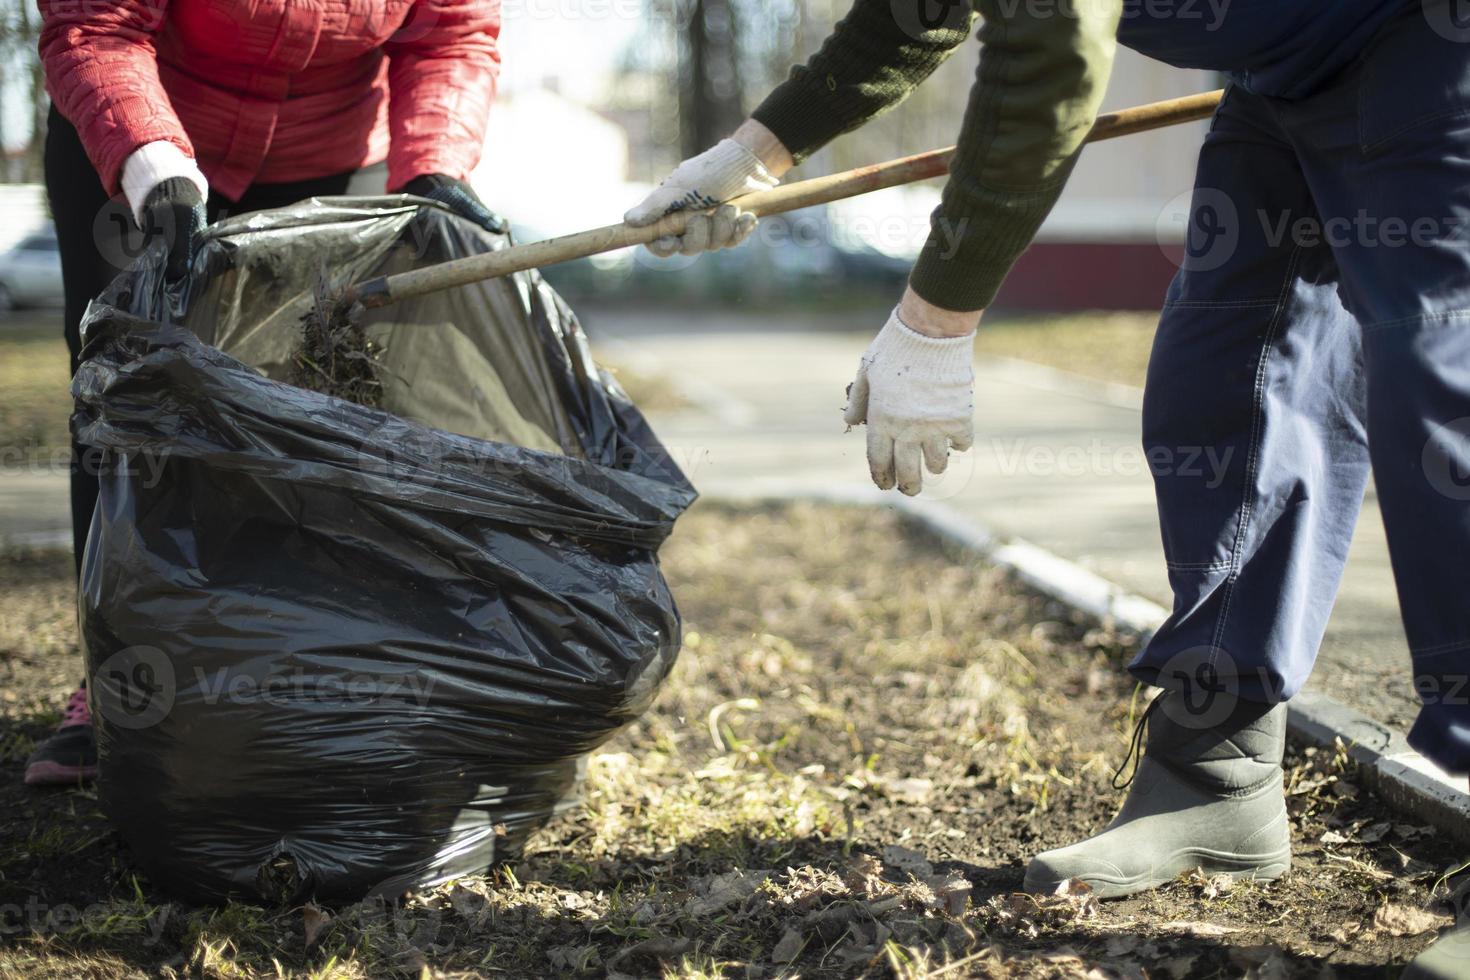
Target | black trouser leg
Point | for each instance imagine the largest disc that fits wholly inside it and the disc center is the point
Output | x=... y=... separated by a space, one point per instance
x=90 y=235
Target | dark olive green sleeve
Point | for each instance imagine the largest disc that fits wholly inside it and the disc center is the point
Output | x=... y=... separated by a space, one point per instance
x=1043 y=71
x=874 y=58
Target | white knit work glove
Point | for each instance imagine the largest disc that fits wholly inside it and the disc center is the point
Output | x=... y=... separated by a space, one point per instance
x=150 y=165
x=724 y=171
x=917 y=395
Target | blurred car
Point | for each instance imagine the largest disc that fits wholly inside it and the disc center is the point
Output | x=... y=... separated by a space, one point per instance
x=792 y=258
x=30 y=272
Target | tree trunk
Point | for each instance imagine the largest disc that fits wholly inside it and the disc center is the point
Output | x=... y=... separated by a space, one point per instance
x=710 y=90
x=40 y=101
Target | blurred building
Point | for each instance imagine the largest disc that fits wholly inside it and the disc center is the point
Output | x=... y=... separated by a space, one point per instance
x=553 y=164
x=1114 y=239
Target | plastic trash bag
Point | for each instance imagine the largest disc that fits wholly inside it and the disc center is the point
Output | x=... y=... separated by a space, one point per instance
x=335 y=651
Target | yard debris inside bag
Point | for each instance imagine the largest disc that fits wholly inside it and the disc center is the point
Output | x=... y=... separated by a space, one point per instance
x=335 y=356
x=769 y=816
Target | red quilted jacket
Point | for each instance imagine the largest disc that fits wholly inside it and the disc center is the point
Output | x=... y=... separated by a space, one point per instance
x=276 y=90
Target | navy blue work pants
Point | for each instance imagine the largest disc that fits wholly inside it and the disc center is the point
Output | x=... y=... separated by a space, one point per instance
x=1319 y=329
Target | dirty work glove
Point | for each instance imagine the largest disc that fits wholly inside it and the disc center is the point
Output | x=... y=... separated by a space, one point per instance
x=724 y=171
x=916 y=394
x=457 y=196
x=174 y=210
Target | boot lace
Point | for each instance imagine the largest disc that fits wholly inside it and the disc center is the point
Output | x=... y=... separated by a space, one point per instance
x=1135 y=746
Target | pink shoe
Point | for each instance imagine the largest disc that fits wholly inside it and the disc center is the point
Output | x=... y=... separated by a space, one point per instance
x=69 y=756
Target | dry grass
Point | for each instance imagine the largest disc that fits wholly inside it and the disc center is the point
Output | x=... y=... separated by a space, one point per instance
x=334 y=356
x=649 y=391
x=34 y=380
x=861 y=745
x=1106 y=346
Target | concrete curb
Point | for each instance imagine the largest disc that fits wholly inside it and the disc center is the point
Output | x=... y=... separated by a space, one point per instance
x=1402 y=777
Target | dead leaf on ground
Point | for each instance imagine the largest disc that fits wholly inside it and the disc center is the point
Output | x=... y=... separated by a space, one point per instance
x=313 y=921
x=951 y=892
x=576 y=959
x=1218 y=885
x=808 y=887
x=411 y=960
x=1359 y=867
x=788 y=948
x=656 y=947
x=1374 y=832
x=723 y=891
x=915 y=791
x=1264 y=962
x=864 y=864
x=1064 y=958
x=1405 y=831
x=1210 y=886
x=1201 y=929
x=865 y=875
x=1180 y=967
x=907 y=861
x=1073 y=901
x=1403 y=920
x=1073 y=888
x=468 y=903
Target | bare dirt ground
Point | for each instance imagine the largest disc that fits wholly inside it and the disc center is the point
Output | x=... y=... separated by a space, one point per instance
x=863 y=743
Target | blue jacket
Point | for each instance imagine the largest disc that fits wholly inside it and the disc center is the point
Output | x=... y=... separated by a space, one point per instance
x=1283 y=48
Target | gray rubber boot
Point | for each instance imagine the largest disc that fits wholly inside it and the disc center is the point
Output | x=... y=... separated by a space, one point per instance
x=1448 y=958
x=1203 y=797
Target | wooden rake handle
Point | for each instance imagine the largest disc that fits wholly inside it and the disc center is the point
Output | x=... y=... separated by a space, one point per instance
x=790 y=197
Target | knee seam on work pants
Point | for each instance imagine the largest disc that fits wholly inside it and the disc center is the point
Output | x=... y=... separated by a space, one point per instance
x=1258 y=415
x=1421 y=319
x=1454 y=646
x=1233 y=304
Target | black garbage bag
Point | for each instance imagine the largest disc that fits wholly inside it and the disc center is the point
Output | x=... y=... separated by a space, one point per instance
x=336 y=651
